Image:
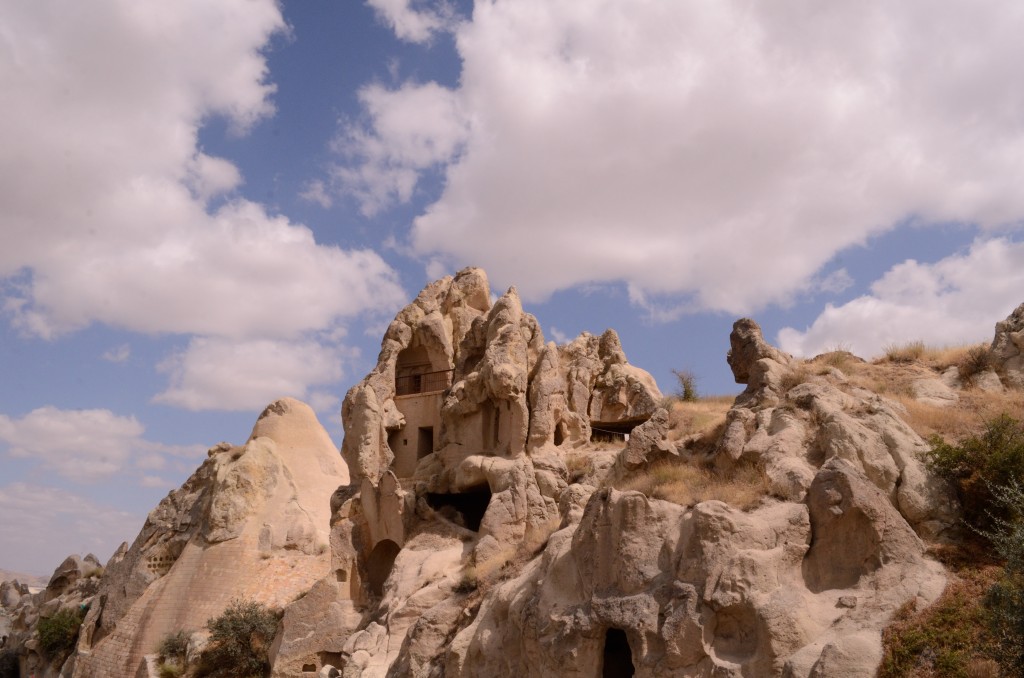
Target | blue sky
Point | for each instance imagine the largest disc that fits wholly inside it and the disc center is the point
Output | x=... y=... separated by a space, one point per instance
x=206 y=205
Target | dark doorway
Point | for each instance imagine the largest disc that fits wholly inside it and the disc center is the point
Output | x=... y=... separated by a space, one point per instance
x=379 y=565
x=618 y=657
x=469 y=506
x=425 y=444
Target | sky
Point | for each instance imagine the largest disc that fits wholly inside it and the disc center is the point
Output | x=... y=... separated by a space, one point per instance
x=209 y=204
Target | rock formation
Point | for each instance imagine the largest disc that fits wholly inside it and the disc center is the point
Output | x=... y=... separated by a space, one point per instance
x=457 y=442
x=1008 y=348
x=252 y=522
x=71 y=587
x=484 y=525
x=462 y=549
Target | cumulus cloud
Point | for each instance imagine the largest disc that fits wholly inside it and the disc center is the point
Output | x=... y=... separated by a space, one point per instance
x=214 y=373
x=720 y=153
x=412 y=129
x=108 y=200
x=71 y=523
x=410 y=20
x=83 y=445
x=955 y=300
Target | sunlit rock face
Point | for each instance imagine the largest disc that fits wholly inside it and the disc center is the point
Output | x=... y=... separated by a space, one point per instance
x=252 y=522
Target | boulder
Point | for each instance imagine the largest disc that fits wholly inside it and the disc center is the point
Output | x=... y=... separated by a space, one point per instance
x=1008 y=348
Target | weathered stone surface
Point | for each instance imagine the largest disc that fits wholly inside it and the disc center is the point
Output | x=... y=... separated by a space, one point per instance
x=1008 y=348
x=252 y=522
x=754 y=361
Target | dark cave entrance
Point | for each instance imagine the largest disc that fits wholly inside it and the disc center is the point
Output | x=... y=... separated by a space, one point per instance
x=469 y=506
x=379 y=565
x=618 y=657
x=612 y=431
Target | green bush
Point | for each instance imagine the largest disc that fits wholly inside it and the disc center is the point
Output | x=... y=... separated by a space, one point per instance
x=59 y=633
x=980 y=465
x=175 y=646
x=239 y=640
x=1004 y=601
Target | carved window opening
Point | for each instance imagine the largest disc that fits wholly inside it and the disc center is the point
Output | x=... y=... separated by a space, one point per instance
x=559 y=434
x=618 y=656
x=309 y=668
x=465 y=508
x=379 y=565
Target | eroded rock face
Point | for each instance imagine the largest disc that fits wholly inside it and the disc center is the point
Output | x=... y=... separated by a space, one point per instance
x=479 y=558
x=458 y=437
x=707 y=591
x=252 y=522
x=1008 y=348
x=72 y=588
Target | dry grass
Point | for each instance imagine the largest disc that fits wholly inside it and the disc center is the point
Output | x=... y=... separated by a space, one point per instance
x=688 y=484
x=961 y=419
x=578 y=464
x=799 y=373
x=687 y=418
x=910 y=352
x=950 y=637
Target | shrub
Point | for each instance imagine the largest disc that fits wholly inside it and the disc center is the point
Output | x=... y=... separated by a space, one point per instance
x=1004 y=601
x=687 y=385
x=977 y=360
x=59 y=633
x=905 y=353
x=980 y=465
x=239 y=640
x=174 y=646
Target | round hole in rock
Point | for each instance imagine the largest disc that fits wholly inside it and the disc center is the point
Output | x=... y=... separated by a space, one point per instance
x=469 y=506
x=618 y=657
x=379 y=564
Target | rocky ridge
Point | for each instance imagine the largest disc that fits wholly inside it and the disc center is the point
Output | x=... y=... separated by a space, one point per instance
x=484 y=525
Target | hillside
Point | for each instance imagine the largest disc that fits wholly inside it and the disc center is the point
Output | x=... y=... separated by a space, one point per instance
x=513 y=507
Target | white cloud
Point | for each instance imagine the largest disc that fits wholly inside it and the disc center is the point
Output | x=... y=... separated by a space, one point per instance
x=218 y=374
x=316 y=191
x=118 y=354
x=956 y=300
x=70 y=523
x=413 y=128
x=82 y=445
x=107 y=212
x=719 y=152
x=410 y=20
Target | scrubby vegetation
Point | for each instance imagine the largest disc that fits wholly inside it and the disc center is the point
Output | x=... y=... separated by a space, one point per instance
x=977 y=626
x=687 y=385
x=983 y=467
x=59 y=633
x=239 y=640
x=173 y=652
x=905 y=353
x=688 y=483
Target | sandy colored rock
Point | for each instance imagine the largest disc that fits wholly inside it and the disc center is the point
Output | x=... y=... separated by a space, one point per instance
x=1008 y=348
x=252 y=523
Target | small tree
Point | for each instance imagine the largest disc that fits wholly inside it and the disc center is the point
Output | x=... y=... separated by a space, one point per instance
x=59 y=633
x=239 y=640
x=687 y=385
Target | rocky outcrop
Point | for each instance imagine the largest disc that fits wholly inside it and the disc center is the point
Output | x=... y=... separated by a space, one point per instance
x=71 y=588
x=252 y=522
x=471 y=465
x=796 y=422
x=1008 y=348
x=755 y=362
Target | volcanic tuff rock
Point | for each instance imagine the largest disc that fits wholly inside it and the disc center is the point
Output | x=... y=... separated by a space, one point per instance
x=463 y=549
x=251 y=522
x=1008 y=348
x=72 y=586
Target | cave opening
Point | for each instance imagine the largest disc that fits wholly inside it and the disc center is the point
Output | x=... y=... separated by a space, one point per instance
x=618 y=657
x=379 y=565
x=467 y=507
